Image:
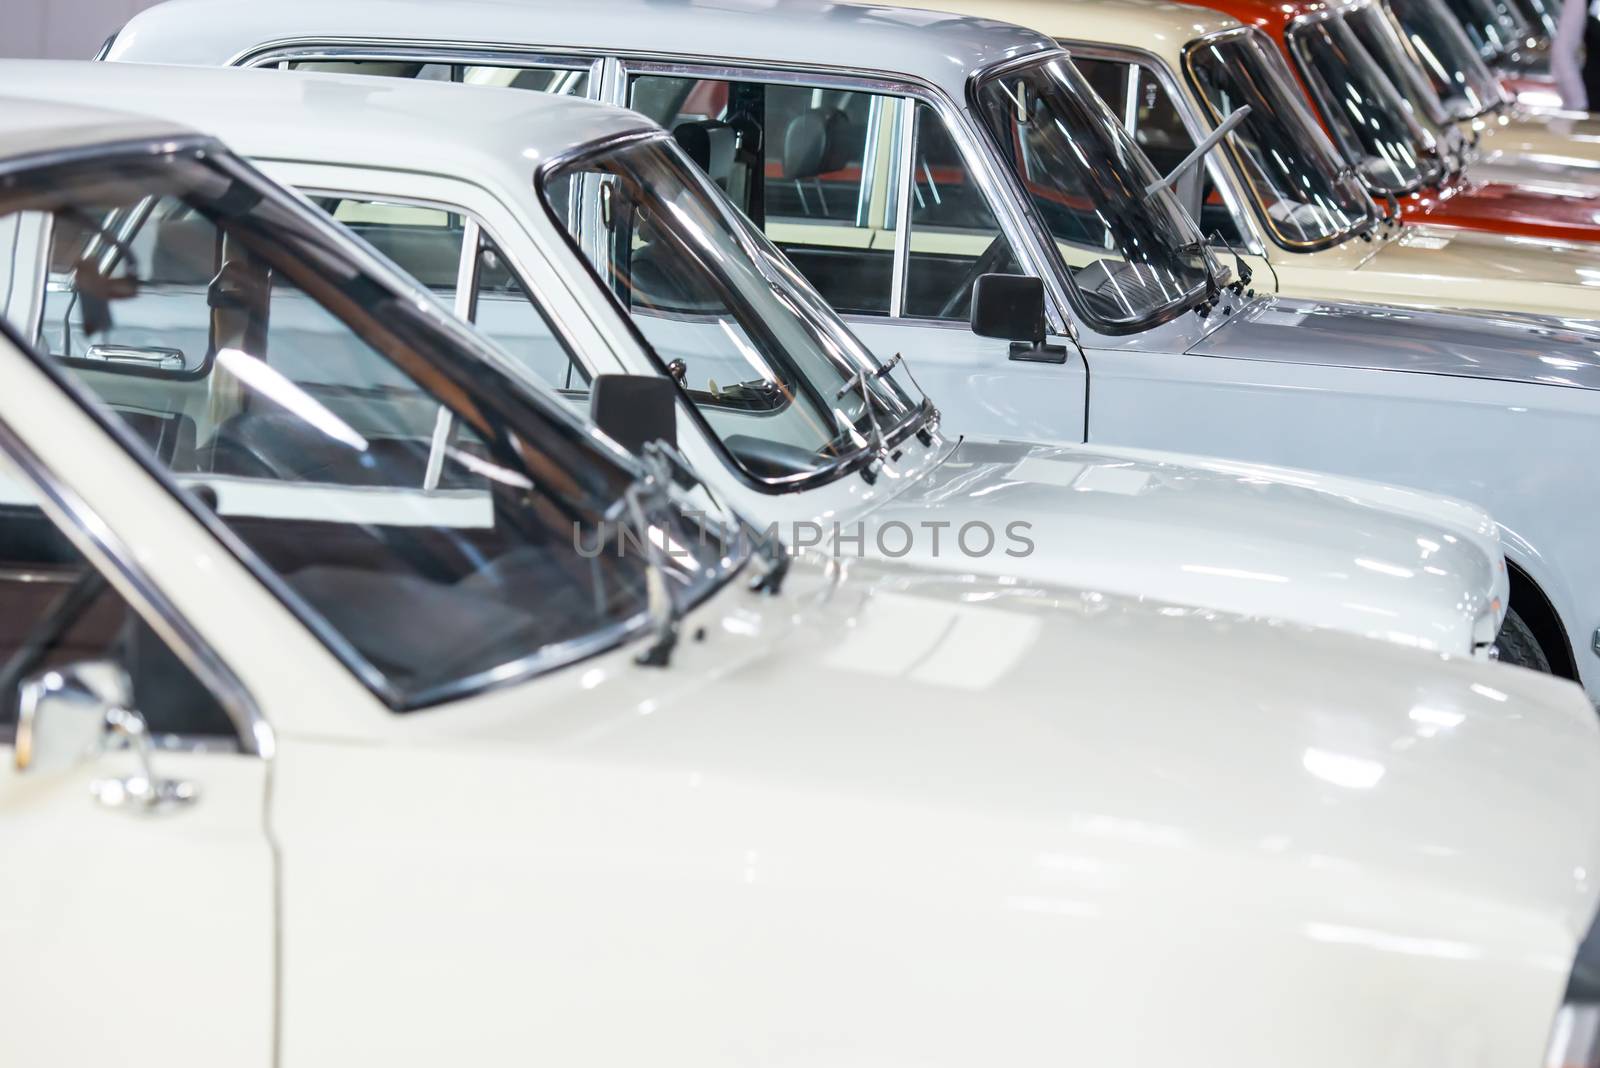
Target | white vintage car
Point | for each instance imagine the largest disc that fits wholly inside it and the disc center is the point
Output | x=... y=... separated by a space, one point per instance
x=770 y=375
x=312 y=767
x=996 y=157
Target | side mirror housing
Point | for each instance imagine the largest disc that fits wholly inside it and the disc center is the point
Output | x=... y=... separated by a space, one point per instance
x=69 y=715
x=63 y=715
x=1011 y=307
x=634 y=409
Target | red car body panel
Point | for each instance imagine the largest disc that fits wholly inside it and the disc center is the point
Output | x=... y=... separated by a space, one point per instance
x=1461 y=201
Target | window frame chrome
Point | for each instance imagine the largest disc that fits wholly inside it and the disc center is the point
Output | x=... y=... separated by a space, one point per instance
x=341 y=50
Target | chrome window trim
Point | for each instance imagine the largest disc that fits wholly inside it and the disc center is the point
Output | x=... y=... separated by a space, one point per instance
x=1237 y=169
x=338 y=50
x=905 y=161
x=107 y=553
x=1222 y=172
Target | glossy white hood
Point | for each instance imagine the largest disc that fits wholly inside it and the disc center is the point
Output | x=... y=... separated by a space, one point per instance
x=923 y=820
x=1314 y=549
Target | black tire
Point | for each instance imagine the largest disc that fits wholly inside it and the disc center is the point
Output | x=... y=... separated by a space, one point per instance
x=1518 y=646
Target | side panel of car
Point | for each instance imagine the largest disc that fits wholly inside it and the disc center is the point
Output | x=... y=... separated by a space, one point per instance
x=1447 y=434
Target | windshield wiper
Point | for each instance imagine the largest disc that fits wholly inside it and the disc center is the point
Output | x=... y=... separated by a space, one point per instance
x=1199 y=151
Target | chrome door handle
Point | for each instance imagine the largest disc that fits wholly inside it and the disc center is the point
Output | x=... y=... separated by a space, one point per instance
x=135 y=356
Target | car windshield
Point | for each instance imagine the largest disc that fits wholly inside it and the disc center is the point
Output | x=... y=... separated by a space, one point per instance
x=1133 y=257
x=1307 y=196
x=1459 y=75
x=1365 y=112
x=431 y=519
x=1382 y=40
x=775 y=374
x=1493 y=27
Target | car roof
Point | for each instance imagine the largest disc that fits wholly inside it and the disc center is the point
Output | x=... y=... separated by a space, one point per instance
x=416 y=126
x=30 y=127
x=935 y=47
x=1157 y=26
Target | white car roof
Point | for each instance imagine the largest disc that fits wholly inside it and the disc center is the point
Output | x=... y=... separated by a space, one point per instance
x=931 y=46
x=270 y=114
x=30 y=127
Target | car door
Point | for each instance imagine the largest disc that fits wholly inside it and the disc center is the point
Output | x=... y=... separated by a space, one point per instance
x=835 y=174
x=131 y=934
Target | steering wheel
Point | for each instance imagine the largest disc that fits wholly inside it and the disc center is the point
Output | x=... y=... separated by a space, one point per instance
x=990 y=258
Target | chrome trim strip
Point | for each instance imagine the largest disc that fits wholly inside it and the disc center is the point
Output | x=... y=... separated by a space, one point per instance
x=905 y=161
x=869 y=163
x=105 y=551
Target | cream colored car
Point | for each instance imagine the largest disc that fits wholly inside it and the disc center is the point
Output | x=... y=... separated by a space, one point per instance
x=1279 y=194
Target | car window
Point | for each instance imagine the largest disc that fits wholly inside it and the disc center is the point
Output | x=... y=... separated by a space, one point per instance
x=954 y=234
x=421 y=511
x=426 y=242
x=56 y=609
x=1138 y=96
x=810 y=165
x=565 y=80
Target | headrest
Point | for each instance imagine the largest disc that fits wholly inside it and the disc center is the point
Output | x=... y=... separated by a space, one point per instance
x=711 y=143
x=816 y=142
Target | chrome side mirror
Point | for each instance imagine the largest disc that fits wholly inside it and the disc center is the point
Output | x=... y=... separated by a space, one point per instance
x=71 y=714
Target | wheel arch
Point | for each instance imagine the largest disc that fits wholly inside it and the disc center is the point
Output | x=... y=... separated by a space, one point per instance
x=1539 y=613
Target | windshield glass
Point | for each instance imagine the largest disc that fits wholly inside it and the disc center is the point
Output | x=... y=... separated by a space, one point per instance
x=1305 y=193
x=1494 y=29
x=1382 y=40
x=430 y=519
x=1365 y=112
x=772 y=370
x=1132 y=259
x=1459 y=75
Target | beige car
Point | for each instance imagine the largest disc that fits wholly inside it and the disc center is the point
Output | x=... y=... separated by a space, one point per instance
x=1280 y=195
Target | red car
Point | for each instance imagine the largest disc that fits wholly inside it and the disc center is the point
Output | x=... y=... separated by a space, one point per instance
x=1389 y=144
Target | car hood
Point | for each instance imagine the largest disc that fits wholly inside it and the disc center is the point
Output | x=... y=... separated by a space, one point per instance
x=1036 y=805
x=1309 y=548
x=1435 y=264
x=1563 y=214
x=1506 y=347
x=1558 y=140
